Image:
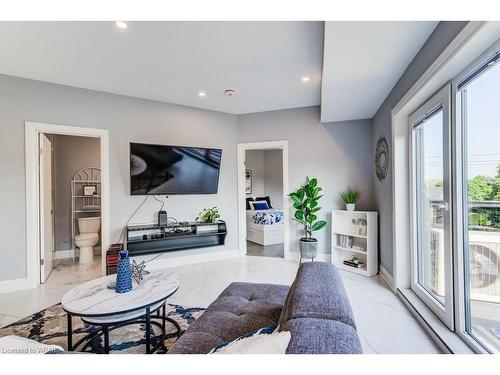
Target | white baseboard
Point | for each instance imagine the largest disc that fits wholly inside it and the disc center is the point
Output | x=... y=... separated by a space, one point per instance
x=168 y=260
x=322 y=257
x=387 y=277
x=8 y=286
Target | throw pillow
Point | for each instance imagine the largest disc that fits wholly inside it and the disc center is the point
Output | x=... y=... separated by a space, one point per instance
x=259 y=205
x=266 y=198
x=266 y=340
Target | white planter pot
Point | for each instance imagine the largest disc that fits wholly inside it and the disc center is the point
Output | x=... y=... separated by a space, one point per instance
x=350 y=206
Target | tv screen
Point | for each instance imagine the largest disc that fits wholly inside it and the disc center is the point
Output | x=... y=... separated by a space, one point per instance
x=169 y=170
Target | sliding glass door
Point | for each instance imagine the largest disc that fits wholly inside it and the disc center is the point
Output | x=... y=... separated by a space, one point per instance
x=432 y=278
x=478 y=109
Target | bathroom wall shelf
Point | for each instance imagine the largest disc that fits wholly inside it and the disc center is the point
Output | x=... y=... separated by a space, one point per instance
x=84 y=177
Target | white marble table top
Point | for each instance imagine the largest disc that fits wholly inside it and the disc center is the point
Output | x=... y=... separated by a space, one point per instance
x=93 y=298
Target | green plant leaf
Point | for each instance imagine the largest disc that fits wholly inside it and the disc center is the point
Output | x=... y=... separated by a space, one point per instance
x=313 y=203
x=313 y=183
x=297 y=206
x=315 y=209
x=295 y=198
x=311 y=218
x=299 y=215
x=319 y=225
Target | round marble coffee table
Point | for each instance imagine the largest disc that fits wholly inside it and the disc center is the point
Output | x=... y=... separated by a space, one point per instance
x=97 y=305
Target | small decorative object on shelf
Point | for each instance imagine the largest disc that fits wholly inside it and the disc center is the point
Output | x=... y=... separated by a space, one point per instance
x=124 y=274
x=345 y=241
x=361 y=224
x=208 y=215
x=138 y=271
x=350 y=198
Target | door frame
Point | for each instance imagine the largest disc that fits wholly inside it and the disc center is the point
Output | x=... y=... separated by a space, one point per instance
x=32 y=130
x=242 y=223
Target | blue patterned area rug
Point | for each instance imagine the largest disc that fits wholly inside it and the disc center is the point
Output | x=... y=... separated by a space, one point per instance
x=49 y=327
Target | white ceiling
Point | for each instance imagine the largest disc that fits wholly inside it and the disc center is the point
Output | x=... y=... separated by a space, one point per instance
x=173 y=61
x=263 y=61
x=362 y=63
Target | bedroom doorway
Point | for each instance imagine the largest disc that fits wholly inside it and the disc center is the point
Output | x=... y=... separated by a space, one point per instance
x=263 y=185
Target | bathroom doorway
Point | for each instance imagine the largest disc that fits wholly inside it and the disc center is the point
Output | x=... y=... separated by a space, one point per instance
x=67 y=190
x=70 y=208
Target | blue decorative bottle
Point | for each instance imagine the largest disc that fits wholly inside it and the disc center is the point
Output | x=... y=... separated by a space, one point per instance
x=123 y=274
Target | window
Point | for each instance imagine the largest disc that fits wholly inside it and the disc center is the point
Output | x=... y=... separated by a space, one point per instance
x=479 y=111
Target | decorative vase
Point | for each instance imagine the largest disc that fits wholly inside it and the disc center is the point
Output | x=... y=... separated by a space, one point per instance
x=308 y=248
x=123 y=274
x=350 y=206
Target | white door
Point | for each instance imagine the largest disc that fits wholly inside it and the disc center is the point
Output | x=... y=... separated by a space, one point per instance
x=46 y=209
x=432 y=277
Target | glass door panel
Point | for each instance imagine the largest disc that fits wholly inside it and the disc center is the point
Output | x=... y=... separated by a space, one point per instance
x=431 y=230
x=480 y=114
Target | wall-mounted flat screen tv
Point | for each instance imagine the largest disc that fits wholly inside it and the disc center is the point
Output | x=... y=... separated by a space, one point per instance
x=169 y=170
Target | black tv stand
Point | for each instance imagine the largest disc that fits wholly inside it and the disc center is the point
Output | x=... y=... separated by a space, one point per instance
x=153 y=238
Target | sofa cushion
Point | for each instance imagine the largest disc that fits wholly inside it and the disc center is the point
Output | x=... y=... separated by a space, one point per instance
x=321 y=336
x=317 y=292
x=240 y=309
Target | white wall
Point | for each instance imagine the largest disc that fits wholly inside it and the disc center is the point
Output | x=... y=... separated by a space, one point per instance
x=338 y=154
x=127 y=120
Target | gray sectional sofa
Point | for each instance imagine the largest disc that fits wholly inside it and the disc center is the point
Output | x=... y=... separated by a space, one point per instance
x=315 y=310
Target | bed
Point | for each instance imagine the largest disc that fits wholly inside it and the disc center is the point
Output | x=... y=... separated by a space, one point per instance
x=265 y=227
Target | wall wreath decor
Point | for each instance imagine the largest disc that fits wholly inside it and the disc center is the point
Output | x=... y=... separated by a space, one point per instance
x=382 y=159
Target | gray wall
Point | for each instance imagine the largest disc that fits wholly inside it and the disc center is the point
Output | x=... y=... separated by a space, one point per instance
x=127 y=119
x=267 y=174
x=273 y=177
x=338 y=154
x=444 y=33
x=70 y=155
x=254 y=161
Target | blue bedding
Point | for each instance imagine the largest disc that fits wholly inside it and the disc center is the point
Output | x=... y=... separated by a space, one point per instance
x=268 y=217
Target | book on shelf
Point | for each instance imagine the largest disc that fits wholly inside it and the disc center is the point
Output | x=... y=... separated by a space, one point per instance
x=352 y=264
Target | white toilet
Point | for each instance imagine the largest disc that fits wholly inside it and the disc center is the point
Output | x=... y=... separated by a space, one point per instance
x=88 y=237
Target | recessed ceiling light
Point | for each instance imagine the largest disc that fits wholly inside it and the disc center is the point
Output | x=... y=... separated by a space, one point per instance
x=202 y=94
x=121 y=24
x=305 y=79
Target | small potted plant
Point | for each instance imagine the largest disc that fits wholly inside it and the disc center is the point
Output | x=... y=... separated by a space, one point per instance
x=208 y=215
x=350 y=198
x=305 y=201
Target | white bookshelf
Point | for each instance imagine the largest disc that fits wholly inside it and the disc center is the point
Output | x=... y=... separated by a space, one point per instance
x=352 y=240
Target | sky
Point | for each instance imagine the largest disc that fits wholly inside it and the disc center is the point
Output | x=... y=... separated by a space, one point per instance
x=483 y=129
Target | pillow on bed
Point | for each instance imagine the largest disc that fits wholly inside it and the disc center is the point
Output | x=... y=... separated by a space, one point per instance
x=266 y=198
x=259 y=205
x=248 y=203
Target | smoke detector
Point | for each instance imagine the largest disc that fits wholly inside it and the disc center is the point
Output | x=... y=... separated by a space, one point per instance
x=230 y=92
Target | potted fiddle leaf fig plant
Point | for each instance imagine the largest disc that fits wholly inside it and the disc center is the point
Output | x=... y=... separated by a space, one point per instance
x=306 y=204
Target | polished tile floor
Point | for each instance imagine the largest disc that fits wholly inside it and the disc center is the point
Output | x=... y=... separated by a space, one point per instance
x=276 y=251
x=384 y=324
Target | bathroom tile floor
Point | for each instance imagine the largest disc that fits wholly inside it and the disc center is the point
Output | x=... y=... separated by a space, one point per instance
x=384 y=323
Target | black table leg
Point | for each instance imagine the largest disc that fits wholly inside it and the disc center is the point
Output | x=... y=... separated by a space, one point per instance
x=148 y=327
x=106 y=339
x=70 y=332
x=164 y=317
